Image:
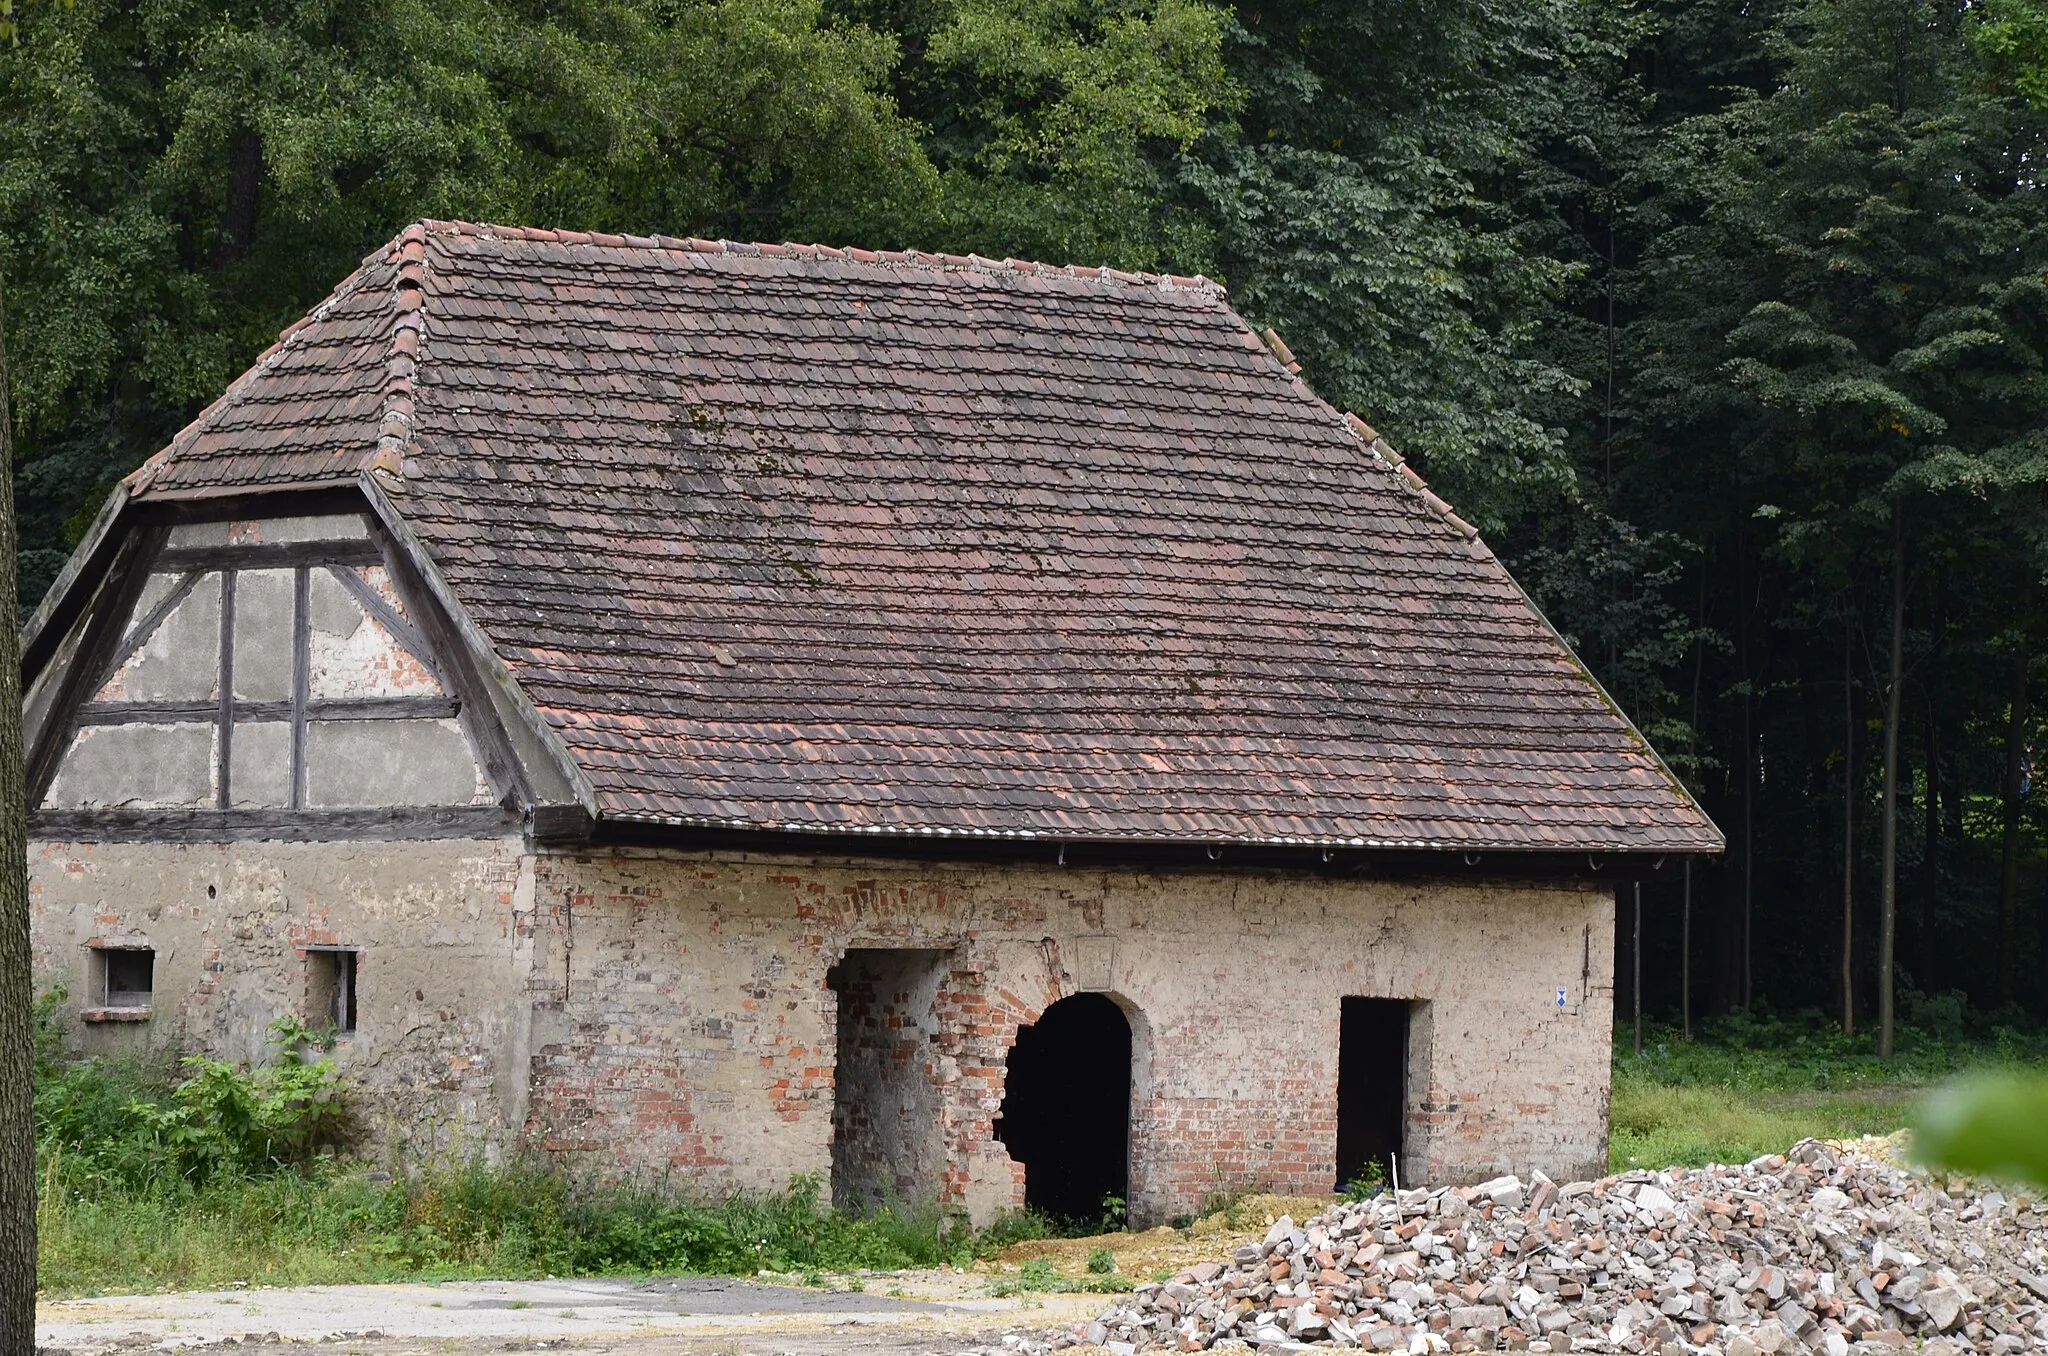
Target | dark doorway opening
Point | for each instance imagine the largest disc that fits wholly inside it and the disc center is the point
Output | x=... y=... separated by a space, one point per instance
x=886 y=1142
x=1066 y=1112
x=1372 y=1085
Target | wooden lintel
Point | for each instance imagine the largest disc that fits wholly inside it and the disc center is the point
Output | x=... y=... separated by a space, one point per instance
x=233 y=503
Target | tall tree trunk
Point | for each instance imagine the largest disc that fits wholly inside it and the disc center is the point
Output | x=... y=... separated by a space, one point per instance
x=17 y=1037
x=245 y=185
x=1923 y=933
x=1699 y=666
x=1888 y=886
x=1748 y=797
x=1848 y=983
x=2009 y=876
x=1685 y=958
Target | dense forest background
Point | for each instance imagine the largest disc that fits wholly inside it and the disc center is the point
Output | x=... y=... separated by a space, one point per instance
x=1725 y=320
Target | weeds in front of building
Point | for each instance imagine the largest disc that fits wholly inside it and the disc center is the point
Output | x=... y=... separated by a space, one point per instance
x=195 y=1173
x=192 y=1173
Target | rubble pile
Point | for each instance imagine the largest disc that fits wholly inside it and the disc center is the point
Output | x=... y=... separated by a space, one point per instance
x=1819 y=1252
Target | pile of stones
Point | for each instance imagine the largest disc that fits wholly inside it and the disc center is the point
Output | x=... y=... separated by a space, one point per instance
x=1819 y=1252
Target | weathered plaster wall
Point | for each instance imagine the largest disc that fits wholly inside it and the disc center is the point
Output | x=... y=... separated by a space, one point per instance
x=688 y=1027
x=670 y=1014
x=444 y=929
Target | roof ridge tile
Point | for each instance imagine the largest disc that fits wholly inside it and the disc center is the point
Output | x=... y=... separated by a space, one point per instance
x=790 y=249
x=402 y=351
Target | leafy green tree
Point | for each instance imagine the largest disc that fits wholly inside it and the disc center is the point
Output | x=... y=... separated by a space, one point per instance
x=182 y=178
x=1852 y=331
x=2015 y=42
x=1995 y=1125
x=1063 y=119
x=1362 y=204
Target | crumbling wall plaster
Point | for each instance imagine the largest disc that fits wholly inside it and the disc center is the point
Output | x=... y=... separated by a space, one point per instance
x=443 y=927
x=689 y=1028
x=645 y=1013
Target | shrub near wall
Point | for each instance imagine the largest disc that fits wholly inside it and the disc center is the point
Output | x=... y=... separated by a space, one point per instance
x=195 y=1172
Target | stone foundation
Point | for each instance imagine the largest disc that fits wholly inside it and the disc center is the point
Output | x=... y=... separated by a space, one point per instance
x=671 y=1015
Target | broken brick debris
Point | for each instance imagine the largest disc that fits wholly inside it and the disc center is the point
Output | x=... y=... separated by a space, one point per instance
x=1820 y=1252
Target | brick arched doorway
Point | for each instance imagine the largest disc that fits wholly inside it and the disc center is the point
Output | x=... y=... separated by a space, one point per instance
x=1066 y=1113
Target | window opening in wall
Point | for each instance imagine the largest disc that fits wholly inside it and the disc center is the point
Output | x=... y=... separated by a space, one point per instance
x=1066 y=1112
x=1372 y=1087
x=886 y=1143
x=124 y=977
x=331 y=988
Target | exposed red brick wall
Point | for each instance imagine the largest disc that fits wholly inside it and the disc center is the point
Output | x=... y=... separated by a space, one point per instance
x=713 y=973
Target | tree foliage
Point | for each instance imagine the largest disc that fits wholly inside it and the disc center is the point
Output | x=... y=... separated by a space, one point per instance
x=1709 y=312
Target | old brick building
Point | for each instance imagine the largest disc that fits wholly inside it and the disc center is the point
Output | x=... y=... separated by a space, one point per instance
x=974 y=730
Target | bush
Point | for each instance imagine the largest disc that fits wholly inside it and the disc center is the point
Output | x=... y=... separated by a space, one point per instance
x=136 y=1125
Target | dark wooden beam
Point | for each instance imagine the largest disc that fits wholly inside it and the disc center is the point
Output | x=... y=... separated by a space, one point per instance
x=1168 y=858
x=562 y=824
x=271 y=555
x=239 y=503
x=224 y=717
x=318 y=708
x=139 y=634
x=383 y=708
x=387 y=617
x=73 y=589
x=127 y=574
x=287 y=826
x=302 y=676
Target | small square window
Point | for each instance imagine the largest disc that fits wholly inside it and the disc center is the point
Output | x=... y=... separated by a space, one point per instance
x=124 y=977
x=331 y=988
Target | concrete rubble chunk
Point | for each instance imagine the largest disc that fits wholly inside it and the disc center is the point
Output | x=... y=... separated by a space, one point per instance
x=1822 y=1251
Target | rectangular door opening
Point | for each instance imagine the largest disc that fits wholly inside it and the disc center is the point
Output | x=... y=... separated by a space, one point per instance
x=886 y=1143
x=1372 y=1087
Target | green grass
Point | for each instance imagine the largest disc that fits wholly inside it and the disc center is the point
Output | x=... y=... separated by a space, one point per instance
x=1039 y=1276
x=1657 y=1125
x=1748 y=1085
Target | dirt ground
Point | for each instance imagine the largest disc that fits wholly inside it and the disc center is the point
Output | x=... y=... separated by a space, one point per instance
x=921 y=1312
x=939 y=1312
x=983 y=1311
x=1145 y=1256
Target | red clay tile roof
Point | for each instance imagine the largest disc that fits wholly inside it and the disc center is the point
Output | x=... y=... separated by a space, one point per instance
x=791 y=538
